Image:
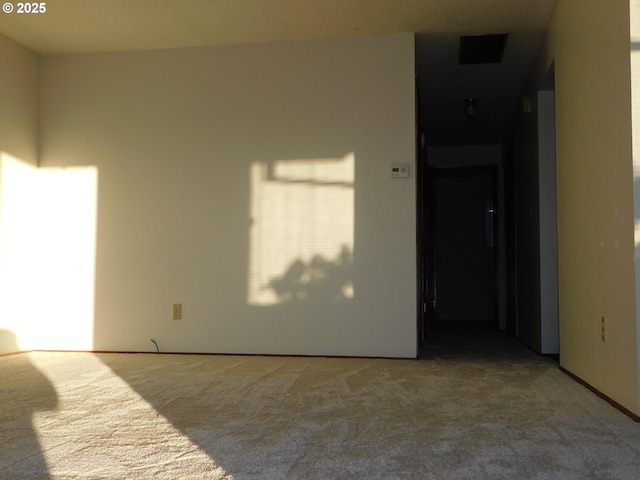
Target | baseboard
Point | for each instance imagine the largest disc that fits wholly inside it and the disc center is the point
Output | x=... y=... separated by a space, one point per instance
x=609 y=400
x=293 y=355
x=14 y=353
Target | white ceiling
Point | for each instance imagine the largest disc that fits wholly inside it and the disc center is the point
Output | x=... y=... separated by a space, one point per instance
x=82 y=26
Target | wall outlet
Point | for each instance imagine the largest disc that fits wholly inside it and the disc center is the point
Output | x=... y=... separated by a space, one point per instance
x=603 y=324
x=177 y=311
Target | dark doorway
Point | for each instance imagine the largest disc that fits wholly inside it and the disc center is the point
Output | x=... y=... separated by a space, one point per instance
x=459 y=250
x=465 y=276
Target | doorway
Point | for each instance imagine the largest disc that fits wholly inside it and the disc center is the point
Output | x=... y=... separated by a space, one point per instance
x=459 y=249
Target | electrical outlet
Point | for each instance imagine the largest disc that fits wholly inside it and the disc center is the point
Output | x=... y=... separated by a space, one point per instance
x=177 y=311
x=603 y=325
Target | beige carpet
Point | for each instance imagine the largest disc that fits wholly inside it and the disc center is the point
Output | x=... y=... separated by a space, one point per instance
x=507 y=414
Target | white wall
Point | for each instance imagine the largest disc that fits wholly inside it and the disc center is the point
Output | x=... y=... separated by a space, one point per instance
x=464 y=155
x=526 y=165
x=588 y=43
x=190 y=145
x=536 y=220
x=549 y=341
x=634 y=17
x=18 y=150
x=18 y=101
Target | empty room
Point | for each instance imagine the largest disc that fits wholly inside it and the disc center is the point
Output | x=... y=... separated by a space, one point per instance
x=304 y=239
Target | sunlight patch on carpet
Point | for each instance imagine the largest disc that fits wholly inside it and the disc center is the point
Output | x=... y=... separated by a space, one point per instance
x=79 y=437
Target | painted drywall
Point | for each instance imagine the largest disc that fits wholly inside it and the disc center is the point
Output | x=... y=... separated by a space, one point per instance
x=18 y=153
x=527 y=231
x=536 y=222
x=252 y=185
x=589 y=41
x=634 y=15
x=549 y=334
x=18 y=101
x=464 y=155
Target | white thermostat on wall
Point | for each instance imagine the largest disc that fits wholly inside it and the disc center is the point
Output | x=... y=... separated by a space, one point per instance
x=399 y=170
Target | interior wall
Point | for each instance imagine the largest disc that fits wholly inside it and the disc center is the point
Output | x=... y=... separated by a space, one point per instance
x=527 y=235
x=634 y=11
x=549 y=334
x=18 y=150
x=589 y=42
x=536 y=223
x=18 y=101
x=252 y=185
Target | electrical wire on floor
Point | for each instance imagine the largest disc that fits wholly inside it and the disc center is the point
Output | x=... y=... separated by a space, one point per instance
x=157 y=349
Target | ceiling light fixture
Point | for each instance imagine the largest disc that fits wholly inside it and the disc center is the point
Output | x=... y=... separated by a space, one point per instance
x=470 y=106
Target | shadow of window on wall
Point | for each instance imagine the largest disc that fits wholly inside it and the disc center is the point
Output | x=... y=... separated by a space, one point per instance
x=301 y=234
x=320 y=280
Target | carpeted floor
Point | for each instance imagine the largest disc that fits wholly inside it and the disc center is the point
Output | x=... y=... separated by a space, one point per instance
x=490 y=410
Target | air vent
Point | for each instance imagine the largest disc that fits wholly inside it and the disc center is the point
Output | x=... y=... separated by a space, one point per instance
x=475 y=49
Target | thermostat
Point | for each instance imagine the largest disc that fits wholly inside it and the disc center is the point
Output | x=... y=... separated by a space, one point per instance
x=399 y=170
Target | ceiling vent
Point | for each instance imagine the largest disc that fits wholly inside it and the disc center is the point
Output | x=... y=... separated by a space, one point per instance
x=476 y=49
